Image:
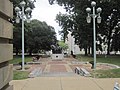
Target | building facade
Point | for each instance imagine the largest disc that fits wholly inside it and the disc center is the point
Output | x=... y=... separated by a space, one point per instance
x=70 y=41
x=6 y=48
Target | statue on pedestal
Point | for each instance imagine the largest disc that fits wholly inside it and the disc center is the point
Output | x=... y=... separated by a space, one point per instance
x=56 y=49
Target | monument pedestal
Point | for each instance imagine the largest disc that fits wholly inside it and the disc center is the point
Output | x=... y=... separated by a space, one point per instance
x=57 y=56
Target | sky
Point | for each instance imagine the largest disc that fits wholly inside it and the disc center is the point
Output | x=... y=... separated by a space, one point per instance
x=43 y=11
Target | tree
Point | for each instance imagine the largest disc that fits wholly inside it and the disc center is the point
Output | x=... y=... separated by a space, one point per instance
x=72 y=22
x=116 y=41
x=65 y=22
x=17 y=41
x=63 y=45
x=38 y=36
x=82 y=31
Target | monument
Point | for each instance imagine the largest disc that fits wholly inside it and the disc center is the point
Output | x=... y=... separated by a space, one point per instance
x=6 y=47
x=56 y=52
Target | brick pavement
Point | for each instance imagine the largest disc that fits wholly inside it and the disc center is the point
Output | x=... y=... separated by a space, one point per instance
x=58 y=68
x=67 y=65
x=49 y=66
x=57 y=62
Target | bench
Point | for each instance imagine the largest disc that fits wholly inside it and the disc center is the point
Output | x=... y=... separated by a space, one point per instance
x=36 y=58
x=77 y=70
x=82 y=71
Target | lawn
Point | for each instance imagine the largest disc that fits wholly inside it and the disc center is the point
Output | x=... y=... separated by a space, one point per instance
x=18 y=75
x=101 y=59
x=17 y=59
x=111 y=73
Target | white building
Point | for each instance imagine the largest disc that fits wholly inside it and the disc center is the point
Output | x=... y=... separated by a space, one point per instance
x=71 y=45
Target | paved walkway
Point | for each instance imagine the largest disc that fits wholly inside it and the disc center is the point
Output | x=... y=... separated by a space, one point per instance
x=59 y=75
x=50 y=67
x=64 y=83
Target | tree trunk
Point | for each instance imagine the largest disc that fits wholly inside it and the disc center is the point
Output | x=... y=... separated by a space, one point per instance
x=92 y=50
x=16 y=51
x=109 y=38
x=89 y=50
x=30 y=52
x=108 y=49
x=86 y=53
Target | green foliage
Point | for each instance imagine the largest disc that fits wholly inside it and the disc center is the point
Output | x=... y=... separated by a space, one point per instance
x=17 y=38
x=18 y=75
x=63 y=45
x=75 y=21
x=82 y=31
x=38 y=36
x=65 y=22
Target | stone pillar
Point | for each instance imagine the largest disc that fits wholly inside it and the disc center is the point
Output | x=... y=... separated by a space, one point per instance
x=6 y=47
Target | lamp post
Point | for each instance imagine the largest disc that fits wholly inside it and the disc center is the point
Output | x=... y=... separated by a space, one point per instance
x=21 y=15
x=94 y=16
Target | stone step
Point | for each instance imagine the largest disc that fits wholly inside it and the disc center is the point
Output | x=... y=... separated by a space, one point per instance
x=57 y=74
x=82 y=71
x=35 y=73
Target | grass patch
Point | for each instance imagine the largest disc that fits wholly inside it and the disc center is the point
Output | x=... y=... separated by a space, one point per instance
x=101 y=59
x=112 y=73
x=17 y=59
x=18 y=75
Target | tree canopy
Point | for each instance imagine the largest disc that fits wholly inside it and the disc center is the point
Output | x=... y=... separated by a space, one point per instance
x=63 y=45
x=75 y=22
x=38 y=36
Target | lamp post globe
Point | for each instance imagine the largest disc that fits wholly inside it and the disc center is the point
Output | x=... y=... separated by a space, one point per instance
x=32 y=0
x=17 y=9
x=99 y=10
x=88 y=10
x=93 y=3
x=22 y=4
x=28 y=10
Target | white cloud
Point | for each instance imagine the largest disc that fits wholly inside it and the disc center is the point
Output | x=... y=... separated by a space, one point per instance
x=46 y=12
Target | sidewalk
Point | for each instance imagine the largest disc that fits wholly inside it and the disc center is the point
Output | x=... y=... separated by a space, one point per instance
x=64 y=83
x=59 y=75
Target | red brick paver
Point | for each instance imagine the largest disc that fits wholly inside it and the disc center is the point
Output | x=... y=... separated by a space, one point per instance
x=57 y=62
x=35 y=66
x=58 y=68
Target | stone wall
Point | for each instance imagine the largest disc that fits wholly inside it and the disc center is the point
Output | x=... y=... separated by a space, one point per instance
x=6 y=48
